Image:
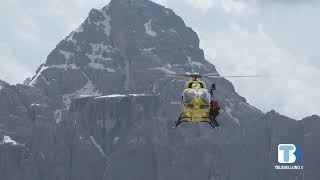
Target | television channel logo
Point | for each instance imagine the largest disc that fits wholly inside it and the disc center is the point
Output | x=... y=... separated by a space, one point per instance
x=288 y=153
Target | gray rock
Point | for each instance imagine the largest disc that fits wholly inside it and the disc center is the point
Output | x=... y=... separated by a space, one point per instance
x=68 y=124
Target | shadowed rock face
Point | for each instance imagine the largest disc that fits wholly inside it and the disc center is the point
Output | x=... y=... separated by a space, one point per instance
x=68 y=124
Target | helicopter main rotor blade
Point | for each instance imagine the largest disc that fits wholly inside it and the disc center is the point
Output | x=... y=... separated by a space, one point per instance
x=155 y=71
x=178 y=75
x=211 y=74
x=248 y=76
x=196 y=75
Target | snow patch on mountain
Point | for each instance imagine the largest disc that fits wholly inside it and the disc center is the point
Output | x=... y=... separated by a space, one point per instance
x=42 y=155
x=67 y=65
x=149 y=30
x=173 y=31
x=9 y=140
x=64 y=66
x=194 y=63
x=58 y=115
x=148 y=49
x=99 y=52
x=189 y=59
x=111 y=96
x=71 y=36
x=44 y=67
x=308 y=134
x=198 y=64
x=48 y=83
x=87 y=90
x=116 y=139
x=106 y=22
x=137 y=95
x=66 y=54
x=35 y=78
x=120 y=95
x=100 y=48
x=94 y=142
x=228 y=111
x=101 y=66
x=35 y=104
x=229 y=102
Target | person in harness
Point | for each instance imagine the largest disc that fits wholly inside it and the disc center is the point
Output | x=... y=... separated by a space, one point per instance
x=214 y=108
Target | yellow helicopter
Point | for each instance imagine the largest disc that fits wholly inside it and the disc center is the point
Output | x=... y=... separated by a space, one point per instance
x=197 y=104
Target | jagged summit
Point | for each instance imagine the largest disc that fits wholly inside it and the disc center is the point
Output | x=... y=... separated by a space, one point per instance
x=89 y=115
x=122 y=48
x=126 y=47
x=117 y=39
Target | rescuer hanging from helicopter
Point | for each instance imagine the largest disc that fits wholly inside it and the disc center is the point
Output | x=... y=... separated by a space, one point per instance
x=214 y=108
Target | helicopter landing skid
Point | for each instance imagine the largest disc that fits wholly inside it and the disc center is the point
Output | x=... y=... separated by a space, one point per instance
x=180 y=120
x=212 y=123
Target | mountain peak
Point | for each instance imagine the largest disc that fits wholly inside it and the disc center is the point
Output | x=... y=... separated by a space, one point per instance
x=114 y=40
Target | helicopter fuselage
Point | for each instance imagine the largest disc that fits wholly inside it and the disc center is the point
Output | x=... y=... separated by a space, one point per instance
x=195 y=105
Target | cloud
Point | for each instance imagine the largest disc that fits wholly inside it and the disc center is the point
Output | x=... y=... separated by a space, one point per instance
x=204 y=5
x=20 y=25
x=33 y=29
x=291 y=87
x=286 y=1
x=11 y=71
x=230 y=6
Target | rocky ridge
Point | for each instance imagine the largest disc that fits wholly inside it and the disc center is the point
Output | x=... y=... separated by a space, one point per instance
x=99 y=108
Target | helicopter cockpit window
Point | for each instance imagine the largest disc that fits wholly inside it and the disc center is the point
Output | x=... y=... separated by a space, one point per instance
x=204 y=95
x=188 y=95
x=195 y=85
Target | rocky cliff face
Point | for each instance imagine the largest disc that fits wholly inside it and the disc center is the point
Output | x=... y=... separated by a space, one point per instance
x=72 y=123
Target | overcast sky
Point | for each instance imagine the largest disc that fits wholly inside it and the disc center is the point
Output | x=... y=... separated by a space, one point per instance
x=279 y=38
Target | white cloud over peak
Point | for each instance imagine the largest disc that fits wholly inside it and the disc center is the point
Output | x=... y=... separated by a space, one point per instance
x=229 y=6
x=30 y=30
x=289 y=87
x=11 y=71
